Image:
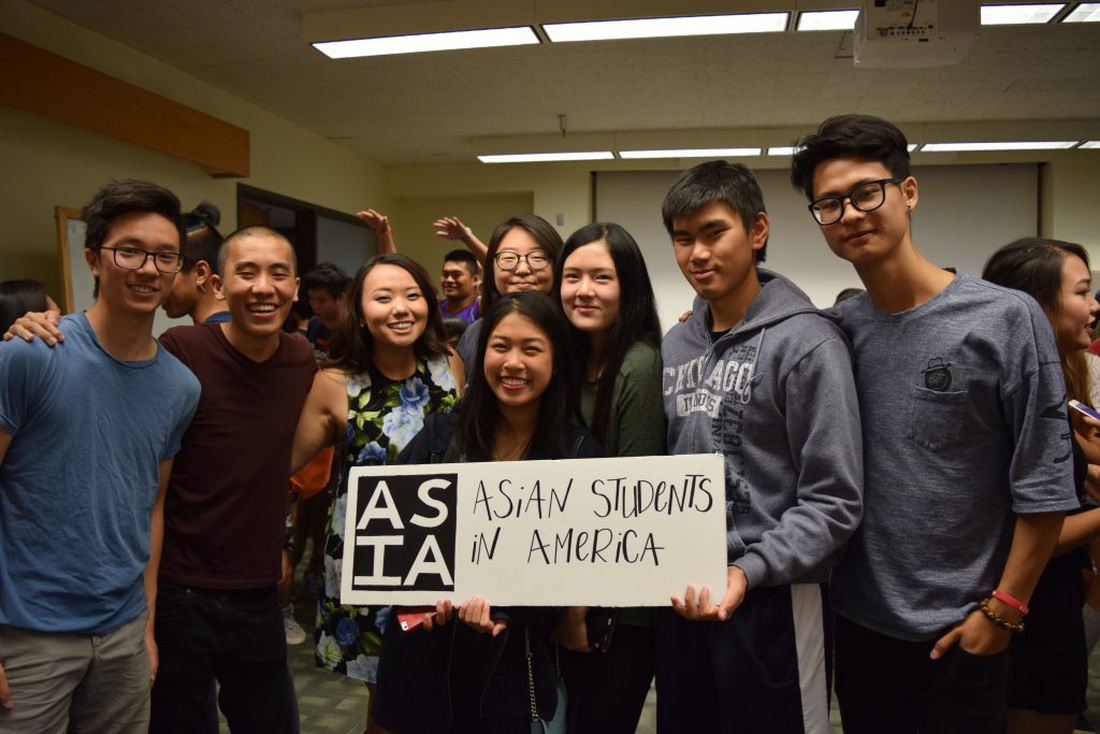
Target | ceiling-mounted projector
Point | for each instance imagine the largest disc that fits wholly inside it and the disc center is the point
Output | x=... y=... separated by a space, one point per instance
x=915 y=33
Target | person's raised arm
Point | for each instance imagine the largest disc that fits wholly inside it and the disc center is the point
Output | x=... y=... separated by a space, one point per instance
x=452 y=228
x=380 y=223
x=42 y=324
x=323 y=418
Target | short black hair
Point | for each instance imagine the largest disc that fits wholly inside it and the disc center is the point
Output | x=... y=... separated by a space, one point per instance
x=861 y=136
x=730 y=183
x=327 y=275
x=202 y=240
x=254 y=231
x=466 y=258
x=126 y=197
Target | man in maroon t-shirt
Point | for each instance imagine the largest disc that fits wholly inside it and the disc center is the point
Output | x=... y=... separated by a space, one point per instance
x=218 y=609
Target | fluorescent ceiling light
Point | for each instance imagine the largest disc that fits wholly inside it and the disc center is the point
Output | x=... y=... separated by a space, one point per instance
x=1019 y=14
x=421 y=42
x=1084 y=13
x=698 y=25
x=912 y=146
x=1090 y=144
x=780 y=150
x=1022 y=145
x=827 y=20
x=690 y=153
x=591 y=155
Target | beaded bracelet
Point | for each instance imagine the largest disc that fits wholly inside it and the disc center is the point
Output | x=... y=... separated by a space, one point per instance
x=1014 y=628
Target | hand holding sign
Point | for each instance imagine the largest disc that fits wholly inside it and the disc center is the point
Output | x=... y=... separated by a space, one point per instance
x=702 y=610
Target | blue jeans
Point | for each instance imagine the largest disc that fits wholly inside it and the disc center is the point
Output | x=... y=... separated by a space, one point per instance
x=235 y=636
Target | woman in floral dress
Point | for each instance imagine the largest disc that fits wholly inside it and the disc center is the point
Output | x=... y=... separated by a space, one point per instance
x=389 y=369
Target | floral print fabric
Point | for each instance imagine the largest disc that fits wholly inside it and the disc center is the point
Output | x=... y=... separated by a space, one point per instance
x=383 y=416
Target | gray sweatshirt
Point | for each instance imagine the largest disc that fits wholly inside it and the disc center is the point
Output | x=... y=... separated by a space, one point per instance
x=775 y=395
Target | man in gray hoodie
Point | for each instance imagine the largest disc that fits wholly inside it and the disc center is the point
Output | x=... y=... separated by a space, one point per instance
x=760 y=376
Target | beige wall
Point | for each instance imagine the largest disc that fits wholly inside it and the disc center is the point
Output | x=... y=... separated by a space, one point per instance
x=48 y=164
x=412 y=218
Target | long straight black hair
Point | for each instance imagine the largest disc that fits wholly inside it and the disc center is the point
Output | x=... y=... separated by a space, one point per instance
x=478 y=411
x=637 y=320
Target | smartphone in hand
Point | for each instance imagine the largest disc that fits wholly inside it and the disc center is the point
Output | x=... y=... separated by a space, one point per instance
x=1084 y=409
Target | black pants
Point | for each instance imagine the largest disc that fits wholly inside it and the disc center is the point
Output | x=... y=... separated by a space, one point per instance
x=235 y=636
x=749 y=673
x=607 y=690
x=886 y=684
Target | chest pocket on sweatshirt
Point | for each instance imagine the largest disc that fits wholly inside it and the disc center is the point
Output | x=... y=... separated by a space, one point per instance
x=937 y=420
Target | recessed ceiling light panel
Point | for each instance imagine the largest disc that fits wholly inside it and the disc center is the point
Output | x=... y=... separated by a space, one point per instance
x=690 y=153
x=589 y=155
x=827 y=20
x=1014 y=145
x=1019 y=14
x=1084 y=13
x=425 y=42
x=697 y=25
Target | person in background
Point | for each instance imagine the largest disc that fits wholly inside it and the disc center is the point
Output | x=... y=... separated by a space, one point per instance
x=194 y=294
x=17 y=297
x=604 y=289
x=460 y=282
x=520 y=256
x=388 y=370
x=327 y=288
x=88 y=436
x=1048 y=661
x=470 y=675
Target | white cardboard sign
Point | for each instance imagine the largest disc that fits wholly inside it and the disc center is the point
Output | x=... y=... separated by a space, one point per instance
x=629 y=531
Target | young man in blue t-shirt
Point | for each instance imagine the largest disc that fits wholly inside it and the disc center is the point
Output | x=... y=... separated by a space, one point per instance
x=87 y=438
x=967 y=453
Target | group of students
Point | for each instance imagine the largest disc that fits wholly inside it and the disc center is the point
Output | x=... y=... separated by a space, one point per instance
x=904 y=461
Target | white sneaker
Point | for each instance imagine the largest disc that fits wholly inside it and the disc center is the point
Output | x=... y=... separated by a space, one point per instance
x=295 y=635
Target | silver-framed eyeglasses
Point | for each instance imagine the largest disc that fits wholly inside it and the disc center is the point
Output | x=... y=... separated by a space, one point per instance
x=509 y=260
x=864 y=198
x=132 y=258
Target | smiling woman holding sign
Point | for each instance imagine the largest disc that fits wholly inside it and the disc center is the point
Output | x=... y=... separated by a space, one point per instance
x=390 y=370
x=472 y=674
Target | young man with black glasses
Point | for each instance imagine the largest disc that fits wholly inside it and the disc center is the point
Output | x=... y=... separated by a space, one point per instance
x=88 y=435
x=966 y=446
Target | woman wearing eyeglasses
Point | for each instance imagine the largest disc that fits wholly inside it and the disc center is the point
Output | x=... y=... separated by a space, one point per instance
x=521 y=256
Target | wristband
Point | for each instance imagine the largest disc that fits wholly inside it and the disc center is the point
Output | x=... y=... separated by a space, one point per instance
x=1011 y=601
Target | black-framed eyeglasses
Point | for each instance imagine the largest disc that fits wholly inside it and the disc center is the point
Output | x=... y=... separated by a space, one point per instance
x=509 y=260
x=864 y=198
x=131 y=258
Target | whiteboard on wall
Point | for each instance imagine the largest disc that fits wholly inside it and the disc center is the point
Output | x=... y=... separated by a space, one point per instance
x=963 y=215
x=347 y=244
